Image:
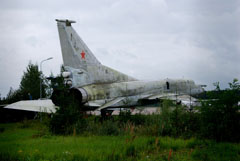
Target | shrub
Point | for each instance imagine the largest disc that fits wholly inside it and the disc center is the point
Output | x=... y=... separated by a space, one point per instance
x=131 y=151
x=220 y=119
x=109 y=128
x=67 y=118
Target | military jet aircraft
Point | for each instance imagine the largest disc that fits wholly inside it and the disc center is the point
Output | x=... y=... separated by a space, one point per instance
x=98 y=87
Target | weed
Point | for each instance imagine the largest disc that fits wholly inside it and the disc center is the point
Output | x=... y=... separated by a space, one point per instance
x=109 y=128
x=18 y=144
x=131 y=151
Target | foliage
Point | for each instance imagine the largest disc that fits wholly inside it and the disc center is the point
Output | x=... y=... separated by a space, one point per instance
x=18 y=143
x=217 y=119
x=109 y=128
x=30 y=83
x=166 y=126
x=125 y=116
x=220 y=118
x=13 y=96
x=67 y=120
x=29 y=86
x=177 y=122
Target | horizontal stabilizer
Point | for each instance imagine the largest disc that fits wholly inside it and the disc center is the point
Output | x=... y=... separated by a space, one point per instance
x=68 y=22
x=45 y=106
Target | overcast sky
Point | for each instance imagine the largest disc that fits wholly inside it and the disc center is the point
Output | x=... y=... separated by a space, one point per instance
x=147 y=39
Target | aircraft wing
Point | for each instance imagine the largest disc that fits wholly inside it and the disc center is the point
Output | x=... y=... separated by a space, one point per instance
x=45 y=106
x=184 y=99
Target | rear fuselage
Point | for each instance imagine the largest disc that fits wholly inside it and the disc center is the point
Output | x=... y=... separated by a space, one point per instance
x=93 y=84
x=134 y=91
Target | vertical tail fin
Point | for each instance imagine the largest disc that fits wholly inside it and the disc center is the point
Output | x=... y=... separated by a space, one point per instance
x=76 y=55
x=75 y=52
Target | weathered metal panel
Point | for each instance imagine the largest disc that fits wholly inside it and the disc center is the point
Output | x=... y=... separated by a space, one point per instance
x=103 y=85
x=34 y=105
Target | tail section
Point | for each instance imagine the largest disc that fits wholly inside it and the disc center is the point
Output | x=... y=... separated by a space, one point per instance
x=81 y=63
x=75 y=52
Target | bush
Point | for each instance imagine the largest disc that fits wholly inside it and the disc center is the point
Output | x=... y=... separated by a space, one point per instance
x=67 y=120
x=109 y=128
x=131 y=151
x=220 y=119
x=217 y=119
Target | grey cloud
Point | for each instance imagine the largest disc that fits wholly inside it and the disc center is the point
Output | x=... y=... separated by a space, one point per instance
x=153 y=39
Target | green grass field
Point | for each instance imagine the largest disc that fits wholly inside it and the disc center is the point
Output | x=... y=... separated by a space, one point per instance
x=31 y=141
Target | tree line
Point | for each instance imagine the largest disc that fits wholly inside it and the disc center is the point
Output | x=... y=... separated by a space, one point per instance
x=29 y=87
x=218 y=117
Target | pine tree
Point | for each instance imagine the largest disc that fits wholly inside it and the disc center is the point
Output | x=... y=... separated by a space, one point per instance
x=30 y=83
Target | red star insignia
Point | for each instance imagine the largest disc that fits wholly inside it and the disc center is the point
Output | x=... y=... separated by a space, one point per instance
x=82 y=55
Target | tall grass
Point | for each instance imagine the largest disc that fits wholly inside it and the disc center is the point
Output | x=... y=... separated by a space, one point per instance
x=24 y=143
x=172 y=120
